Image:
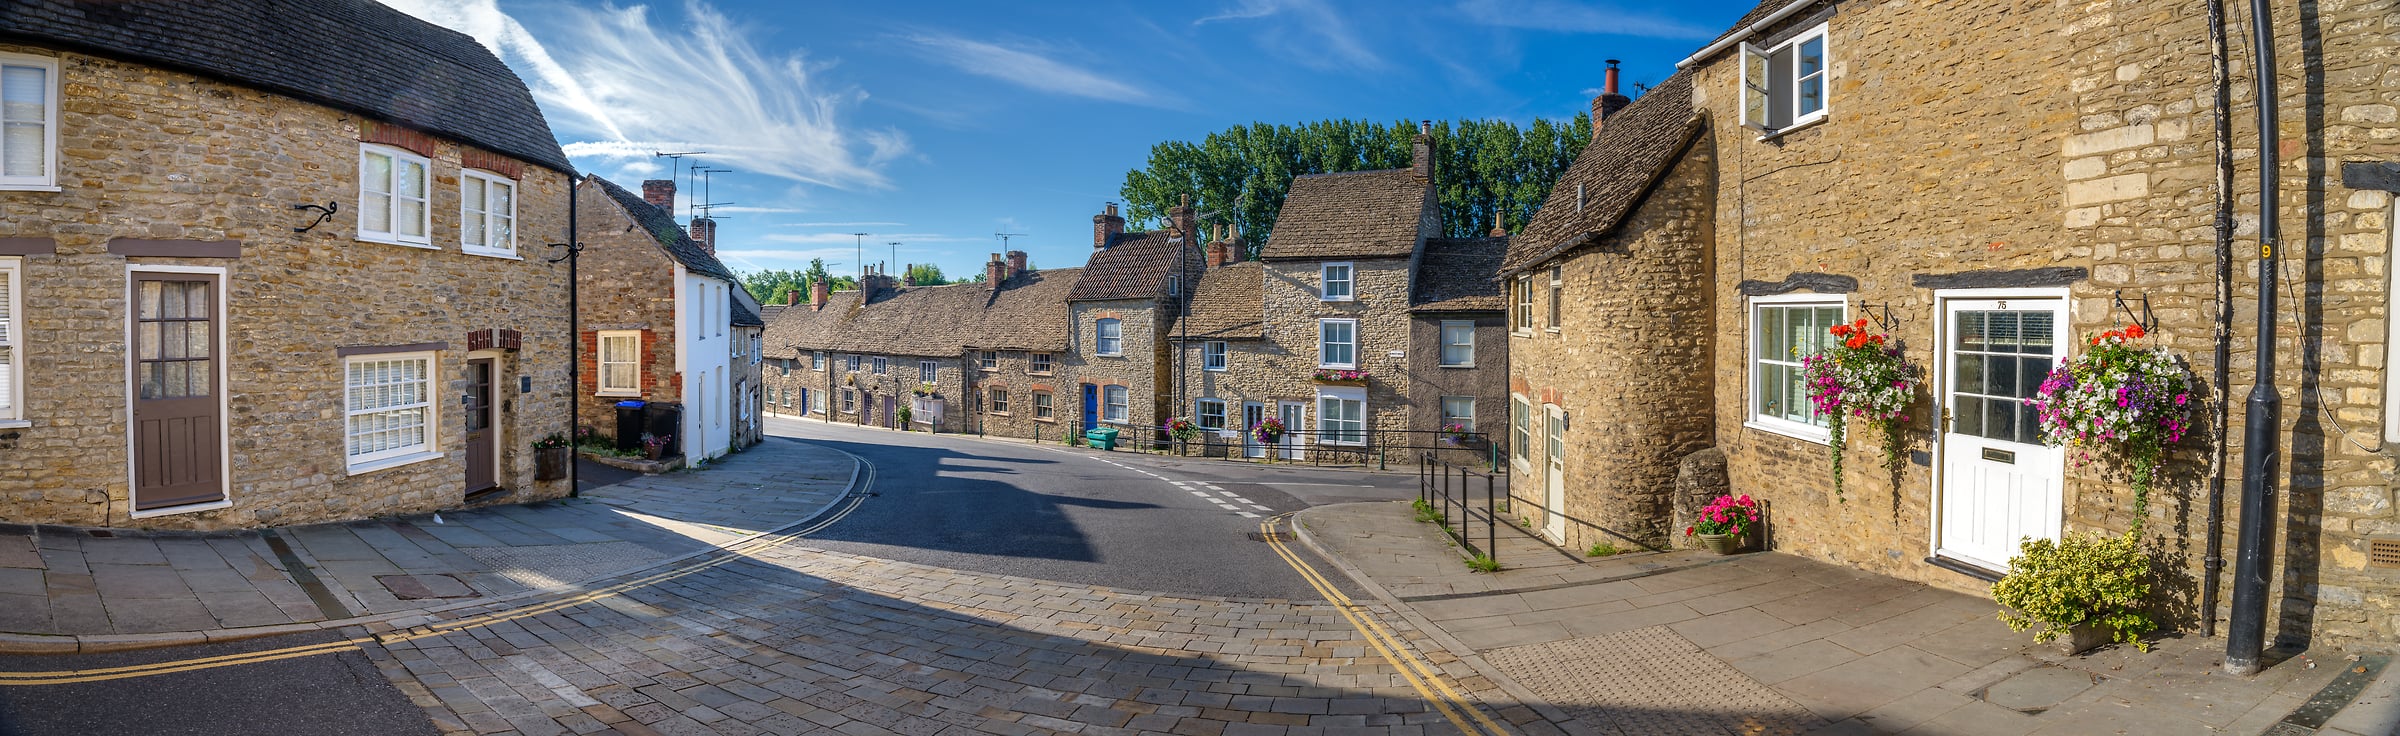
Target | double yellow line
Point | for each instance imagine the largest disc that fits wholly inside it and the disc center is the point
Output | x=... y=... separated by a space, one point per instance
x=1416 y=671
x=743 y=550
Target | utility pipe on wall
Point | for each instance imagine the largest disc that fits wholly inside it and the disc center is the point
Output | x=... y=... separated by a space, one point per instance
x=2220 y=379
x=2245 y=634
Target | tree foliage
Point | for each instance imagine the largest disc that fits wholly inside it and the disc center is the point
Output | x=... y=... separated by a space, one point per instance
x=1486 y=172
x=770 y=286
x=925 y=274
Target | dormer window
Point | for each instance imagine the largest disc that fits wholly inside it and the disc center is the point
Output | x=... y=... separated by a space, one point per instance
x=1784 y=86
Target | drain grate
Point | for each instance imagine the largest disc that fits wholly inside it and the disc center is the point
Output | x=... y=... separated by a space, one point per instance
x=101 y=533
x=1270 y=537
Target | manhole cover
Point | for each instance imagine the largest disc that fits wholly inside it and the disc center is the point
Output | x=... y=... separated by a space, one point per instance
x=1267 y=537
x=417 y=587
x=2040 y=688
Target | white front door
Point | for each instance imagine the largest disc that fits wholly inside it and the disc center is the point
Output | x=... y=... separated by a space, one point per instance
x=1293 y=414
x=1252 y=414
x=1999 y=484
x=1555 y=480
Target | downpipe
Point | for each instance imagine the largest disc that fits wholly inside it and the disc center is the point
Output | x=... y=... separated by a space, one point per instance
x=2245 y=634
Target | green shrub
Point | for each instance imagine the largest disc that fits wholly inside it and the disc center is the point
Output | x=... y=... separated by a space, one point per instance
x=1426 y=513
x=2083 y=579
x=1601 y=549
x=1483 y=563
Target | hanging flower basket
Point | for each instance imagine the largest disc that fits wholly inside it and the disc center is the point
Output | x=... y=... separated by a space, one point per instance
x=1456 y=434
x=2121 y=401
x=1864 y=375
x=1182 y=429
x=1269 y=431
x=1332 y=377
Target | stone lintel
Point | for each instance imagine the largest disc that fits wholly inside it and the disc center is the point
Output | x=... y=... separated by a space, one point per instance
x=136 y=247
x=2383 y=176
x=422 y=347
x=28 y=247
x=2002 y=279
x=1822 y=283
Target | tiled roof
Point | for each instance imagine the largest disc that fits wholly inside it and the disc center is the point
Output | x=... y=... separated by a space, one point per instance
x=742 y=316
x=1765 y=8
x=354 y=55
x=1229 y=303
x=1460 y=275
x=767 y=312
x=1029 y=313
x=1635 y=147
x=1360 y=214
x=1136 y=266
x=661 y=225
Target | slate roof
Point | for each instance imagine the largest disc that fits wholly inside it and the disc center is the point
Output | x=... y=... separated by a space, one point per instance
x=354 y=55
x=1764 y=9
x=1460 y=275
x=1635 y=147
x=1029 y=313
x=662 y=227
x=742 y=316
x=1358 y=214
x=1228 y=304
x=1135 y=266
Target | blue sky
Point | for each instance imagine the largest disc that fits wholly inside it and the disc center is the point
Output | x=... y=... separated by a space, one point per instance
x=940 y=124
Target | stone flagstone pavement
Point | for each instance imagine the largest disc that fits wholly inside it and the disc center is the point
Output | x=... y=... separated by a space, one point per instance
x=63 y=588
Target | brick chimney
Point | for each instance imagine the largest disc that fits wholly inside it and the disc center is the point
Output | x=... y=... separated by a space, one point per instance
x=908 y=275
x=1236 y=249
x=1609 y=101
x=1016 y=263
x=1421 y=157
x=873 y=285
x=704 y=231
x=819 y=292
x=1217 y=255
x=1106 y=226
x=1499 y=232
x=660 y=192
x=792 y=298
x=1180 y=219
x=995 y=271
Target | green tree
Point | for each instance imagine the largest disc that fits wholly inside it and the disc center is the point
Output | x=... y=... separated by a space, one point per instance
x=925 y=274
x=1487 y=173
x=770 y=286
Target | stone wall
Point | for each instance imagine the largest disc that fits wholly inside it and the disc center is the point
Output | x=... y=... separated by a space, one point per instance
x=1014 y=375
x=1486 y=380
x=1249 y=377
x=749 y=379
x=1142 y=369
x=1293 y=307
x=154 y=154
x=787 y=376
x=1625 y=365
x=627 y=283
x=899 y=383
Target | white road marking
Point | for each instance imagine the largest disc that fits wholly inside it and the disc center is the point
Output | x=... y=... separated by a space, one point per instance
x=1334 y=485
x=1202 y=495
x=1261 y=508
x=1247 y=515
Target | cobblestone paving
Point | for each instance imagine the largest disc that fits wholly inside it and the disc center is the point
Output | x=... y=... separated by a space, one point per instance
x=545 y=565
x=805 y=641
x=1651 y=682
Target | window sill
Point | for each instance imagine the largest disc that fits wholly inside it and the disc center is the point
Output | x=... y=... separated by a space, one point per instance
x=1551 y=330
x=1798 y=126
x=507 y=255
x=16 y=424
x=1213 y=370
x=998 y=414
x=1046 y=421
x=393 y=462
x=1339 y=300
x=184 y=509
x=1456 y=365
x=1039 y=373
x=619 y=394
x=398 y=242
x=1108 y=355
x=1820 y=436
x=30 y=188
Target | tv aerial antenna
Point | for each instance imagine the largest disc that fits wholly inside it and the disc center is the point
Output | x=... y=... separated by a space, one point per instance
x=675 y=162
x=1003 y=237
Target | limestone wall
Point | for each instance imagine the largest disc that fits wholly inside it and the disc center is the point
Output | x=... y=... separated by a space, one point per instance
x=1294 y=306
x=1014 y=374
x=627 y=283
x=1142 y=368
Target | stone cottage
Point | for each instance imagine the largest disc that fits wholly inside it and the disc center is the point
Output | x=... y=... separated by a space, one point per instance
x=1227 y=360
x=243 y=289
x=1120 y=309
x=1458 y=349
x=659 y=319
x=1803 y=170
x=1337 y=274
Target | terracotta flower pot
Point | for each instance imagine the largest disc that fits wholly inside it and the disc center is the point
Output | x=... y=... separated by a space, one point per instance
x=1723 y=544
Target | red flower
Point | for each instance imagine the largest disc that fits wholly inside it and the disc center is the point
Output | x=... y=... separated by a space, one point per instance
x=1841 y=330
x=1861 y=323
x=1857 y=341
x=1875 y=339
x=2134 y=331
x=1687 y=531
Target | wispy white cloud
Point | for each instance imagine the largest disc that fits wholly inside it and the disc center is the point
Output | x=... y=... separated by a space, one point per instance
x=873 y=240
x=1026 y=67
x=1567 y=16
x=743 y=209
x=844 y=224
x=622 y=87
x=1335 y=44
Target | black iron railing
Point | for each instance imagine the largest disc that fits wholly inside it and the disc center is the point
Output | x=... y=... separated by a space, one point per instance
x=1449 y=490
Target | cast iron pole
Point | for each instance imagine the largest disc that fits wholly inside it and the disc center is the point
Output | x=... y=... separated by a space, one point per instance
x=2245 y=632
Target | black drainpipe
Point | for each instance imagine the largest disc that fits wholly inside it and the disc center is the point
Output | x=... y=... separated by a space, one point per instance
x=2220 y=381
x=574 y=332
x=2246 y=632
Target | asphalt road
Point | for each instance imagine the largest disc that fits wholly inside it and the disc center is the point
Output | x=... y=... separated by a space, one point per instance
x=338 y=694
x=1077 y=515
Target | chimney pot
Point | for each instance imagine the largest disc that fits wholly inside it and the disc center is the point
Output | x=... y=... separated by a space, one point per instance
x=704 y=231
x=660 y=192
x=1609 y=101
x=995 y=271
x=1016 y=263
x=1106 y=226
x=819 y=292
x=1499 y=232
x=1421 y=152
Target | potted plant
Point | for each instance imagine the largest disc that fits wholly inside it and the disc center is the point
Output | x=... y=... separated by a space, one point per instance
x=2122 y=401
x=550 y=457
x=1338 y=377
x=1863 y=375
x=924 y=389
x=1725 y=523
x=1455 y=434
x=654 y=445
x=2087 y=588
x=905 y=417
x=1269 y=431
x=1182 y=429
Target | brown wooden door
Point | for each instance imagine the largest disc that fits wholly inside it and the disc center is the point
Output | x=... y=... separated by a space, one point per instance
x=482 y=437
x=178 y=423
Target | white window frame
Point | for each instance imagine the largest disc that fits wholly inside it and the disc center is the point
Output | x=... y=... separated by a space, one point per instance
x=395 y=457
x=1453 y=418
x=987 y=359
x=928 y=371
x=1520 y=428
x=1349 y=282
x=465 y=209
x=1212 y=355
x=393 y=236
x=12 y=341
x=601 y=350
x=999 y=400
x=47 y=181
x=1752 y=373
x=1040 y=364
x=1330 y=436
x=1104 y=343
x=882 y=365
x=1045 y=408
x=1323 y=361
x=1442 y=337
x=1522 y=310
x=1755 y=60
x=849 y=401
x=1115 y=404
x=816 y=361
x=1201 y=413
x=1558 y=298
